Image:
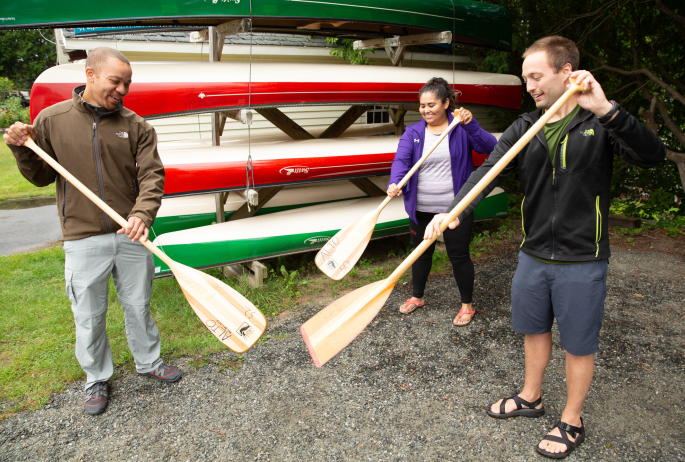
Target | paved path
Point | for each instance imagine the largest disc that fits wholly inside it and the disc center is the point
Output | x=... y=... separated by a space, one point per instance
x=28 y=229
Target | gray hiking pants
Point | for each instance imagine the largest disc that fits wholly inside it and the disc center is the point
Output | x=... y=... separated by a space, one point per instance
x=88 y=265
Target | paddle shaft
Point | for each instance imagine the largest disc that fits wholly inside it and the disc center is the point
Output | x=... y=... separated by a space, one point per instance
x=486 y=180
x=423 y=158
x=29 y=143
x=337 y=321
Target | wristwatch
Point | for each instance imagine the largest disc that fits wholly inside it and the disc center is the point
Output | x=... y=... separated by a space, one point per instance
x=607 y=117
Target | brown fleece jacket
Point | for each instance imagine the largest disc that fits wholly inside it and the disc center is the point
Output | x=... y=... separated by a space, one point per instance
x=113 y=154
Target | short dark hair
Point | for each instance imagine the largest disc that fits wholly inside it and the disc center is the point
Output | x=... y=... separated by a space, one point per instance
x=560 y=51
x=99 y=56
x=442 y=90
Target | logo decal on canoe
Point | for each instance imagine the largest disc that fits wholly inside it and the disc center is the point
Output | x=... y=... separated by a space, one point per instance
x=294 y=169
x=245 y=330
x=202 y=95
x=316 y=240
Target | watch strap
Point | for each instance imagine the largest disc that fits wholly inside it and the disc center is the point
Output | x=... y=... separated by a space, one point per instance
x=607 y=117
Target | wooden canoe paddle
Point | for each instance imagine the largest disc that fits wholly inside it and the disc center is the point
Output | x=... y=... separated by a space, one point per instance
x=344 y=249
x=235 y=321
x=334 y=327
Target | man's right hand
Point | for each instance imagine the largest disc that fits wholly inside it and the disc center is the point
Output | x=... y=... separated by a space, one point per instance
x=393 y=190
x=434 y=225
x=17 y=133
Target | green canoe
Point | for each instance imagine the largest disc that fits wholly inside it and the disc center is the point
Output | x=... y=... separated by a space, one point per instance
x=471 y=22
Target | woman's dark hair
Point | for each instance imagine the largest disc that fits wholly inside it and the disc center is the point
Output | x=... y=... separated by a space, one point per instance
x=442 y=90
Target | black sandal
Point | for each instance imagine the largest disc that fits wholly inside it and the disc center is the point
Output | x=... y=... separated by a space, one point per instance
x=520 y=410
x=576 y=432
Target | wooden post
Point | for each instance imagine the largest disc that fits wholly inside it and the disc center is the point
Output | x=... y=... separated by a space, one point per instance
x=397 y=115
x=256 y=272
x=265 y=195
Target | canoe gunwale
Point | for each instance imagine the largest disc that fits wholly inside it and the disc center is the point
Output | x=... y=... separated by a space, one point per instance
x=271 y=185
x=196 y=22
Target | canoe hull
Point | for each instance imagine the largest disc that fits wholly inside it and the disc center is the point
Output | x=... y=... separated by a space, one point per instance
x=469 y=21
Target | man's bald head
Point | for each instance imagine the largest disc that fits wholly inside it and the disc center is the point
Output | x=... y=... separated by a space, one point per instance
x=99 y=56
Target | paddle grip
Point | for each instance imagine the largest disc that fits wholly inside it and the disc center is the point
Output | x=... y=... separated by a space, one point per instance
x=29 y=143
x=486 y=180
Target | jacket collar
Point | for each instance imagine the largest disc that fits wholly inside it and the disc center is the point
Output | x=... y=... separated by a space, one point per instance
x=81 y=105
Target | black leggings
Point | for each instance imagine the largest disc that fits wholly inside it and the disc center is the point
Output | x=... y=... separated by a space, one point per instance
x=457 y=243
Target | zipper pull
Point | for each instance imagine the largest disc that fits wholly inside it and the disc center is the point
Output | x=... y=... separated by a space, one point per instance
x=554 y=174
x=94 y=125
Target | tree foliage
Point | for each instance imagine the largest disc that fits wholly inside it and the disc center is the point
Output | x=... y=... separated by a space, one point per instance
x=634 y=48
x=25 y=54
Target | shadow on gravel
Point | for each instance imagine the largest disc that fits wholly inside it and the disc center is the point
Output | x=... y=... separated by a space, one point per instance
x=409 y=388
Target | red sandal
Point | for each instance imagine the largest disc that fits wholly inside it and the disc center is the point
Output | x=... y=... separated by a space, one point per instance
x=462 y=312
x=410 y=305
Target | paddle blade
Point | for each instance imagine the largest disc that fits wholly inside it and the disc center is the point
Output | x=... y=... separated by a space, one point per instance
x=344 y=249
x=324 y=343
x=232 y=319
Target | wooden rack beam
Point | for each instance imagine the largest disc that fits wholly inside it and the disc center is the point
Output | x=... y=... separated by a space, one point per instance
x=396 y=46
x=285 y=123
x=344 y=121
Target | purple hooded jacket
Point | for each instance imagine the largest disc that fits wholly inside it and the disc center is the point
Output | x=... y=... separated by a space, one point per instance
x=462 y=140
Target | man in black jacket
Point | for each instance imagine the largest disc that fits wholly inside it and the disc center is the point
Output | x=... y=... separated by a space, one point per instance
x=565 y=174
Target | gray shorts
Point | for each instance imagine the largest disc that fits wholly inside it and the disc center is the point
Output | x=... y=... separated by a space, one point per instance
x=573 y=294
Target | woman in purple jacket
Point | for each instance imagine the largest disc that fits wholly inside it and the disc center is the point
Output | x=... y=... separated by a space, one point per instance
x=432 y=189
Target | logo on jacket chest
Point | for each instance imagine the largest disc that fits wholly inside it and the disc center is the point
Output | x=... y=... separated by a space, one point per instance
x=122 y=134
x=589 y=132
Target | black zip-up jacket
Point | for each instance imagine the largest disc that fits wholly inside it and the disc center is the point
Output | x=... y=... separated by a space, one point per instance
x=566 y=205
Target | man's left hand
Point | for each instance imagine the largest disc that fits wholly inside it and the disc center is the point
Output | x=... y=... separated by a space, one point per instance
x=135 y=229
x=592 y=98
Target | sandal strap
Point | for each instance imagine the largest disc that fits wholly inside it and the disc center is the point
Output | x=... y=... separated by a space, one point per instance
x=573 y=431
x=466 y=311
x=415 y=302
x=563 y=439
x=520 y=402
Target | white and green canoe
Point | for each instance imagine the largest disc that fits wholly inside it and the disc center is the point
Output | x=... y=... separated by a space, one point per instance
x=290 y=231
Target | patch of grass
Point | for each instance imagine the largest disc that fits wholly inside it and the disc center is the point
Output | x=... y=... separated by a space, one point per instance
x=233 y=364
x=198 y=363
x=37 y=329
x=12 y=184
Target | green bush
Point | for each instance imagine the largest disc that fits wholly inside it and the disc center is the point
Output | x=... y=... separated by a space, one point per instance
x=6 y=86
x=12 y=111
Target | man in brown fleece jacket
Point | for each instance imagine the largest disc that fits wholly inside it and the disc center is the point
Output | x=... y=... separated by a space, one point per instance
x=113 y=152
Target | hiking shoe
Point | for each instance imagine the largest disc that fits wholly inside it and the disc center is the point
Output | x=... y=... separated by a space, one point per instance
x=164 y=373
x=96 y=398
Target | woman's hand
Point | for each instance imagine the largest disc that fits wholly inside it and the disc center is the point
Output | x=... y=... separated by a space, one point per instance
x=393 y=190
x=465 y=115
x=434 y=225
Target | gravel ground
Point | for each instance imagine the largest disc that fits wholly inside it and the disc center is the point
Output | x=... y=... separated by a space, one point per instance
x=409 y=388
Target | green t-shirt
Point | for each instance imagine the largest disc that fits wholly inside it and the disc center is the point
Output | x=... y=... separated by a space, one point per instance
x=553 y=132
